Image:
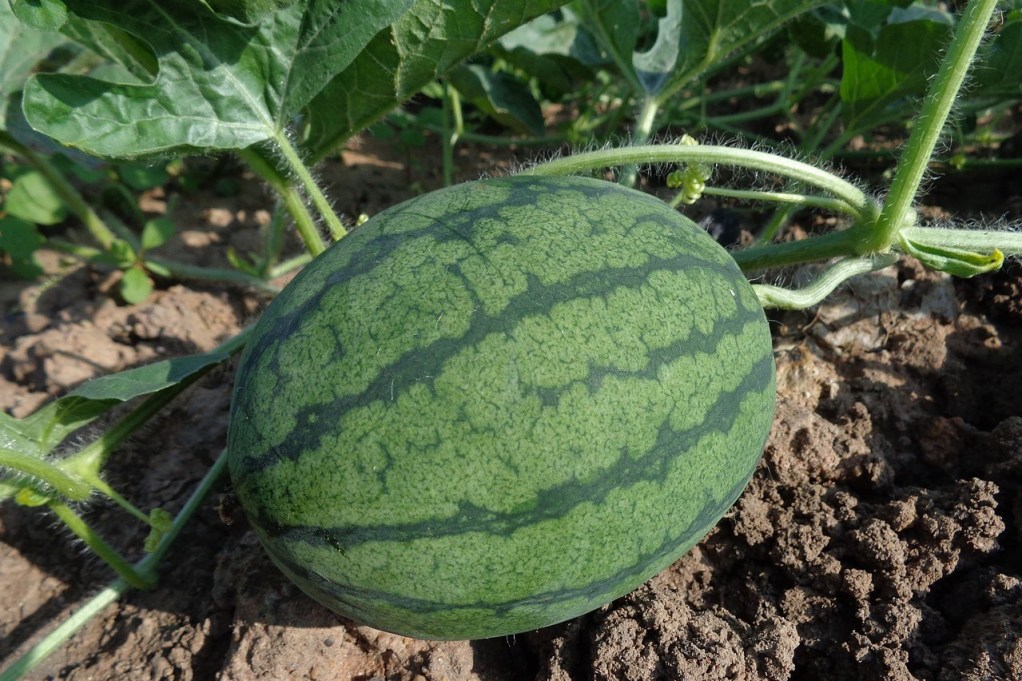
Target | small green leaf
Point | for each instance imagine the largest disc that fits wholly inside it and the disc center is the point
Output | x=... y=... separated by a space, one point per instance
x=32 y=198
x=26 y=496
x=136 y=285
x=558 y=33
x=147 y=379
x=713 y=29
x=156 y=232
x=614 y=26
x=121 y=254
x=141 y=177
x=954 y=261
x=20 y=239
x=553 y=50
x=160 y=523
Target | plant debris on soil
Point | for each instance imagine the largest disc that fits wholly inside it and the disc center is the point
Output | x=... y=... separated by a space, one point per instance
x=879 y=539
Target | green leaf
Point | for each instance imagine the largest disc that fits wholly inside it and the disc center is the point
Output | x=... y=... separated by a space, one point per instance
x=136 y=285
x=556 y=33
x=554 y=51
x=21 y=50
x=160 y=523
x=954 y=261
x=501 y=96
x=818 y=32
x=713 y=29
x=156 y=232
x=654 y=67
x=615 y=27
x=220 y=84
x=142 y=177
x=32 y=198
x=132 y=54
x=38 y=433
x=425 y=43
x=20 y=240
x=1000 y=62
x=42 y=15
x=245 y=11
x=881 y=74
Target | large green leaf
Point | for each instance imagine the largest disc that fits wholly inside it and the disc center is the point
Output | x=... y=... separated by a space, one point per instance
x=884 y=69
x=424 y=44
x=713 y=29
x=221 y=84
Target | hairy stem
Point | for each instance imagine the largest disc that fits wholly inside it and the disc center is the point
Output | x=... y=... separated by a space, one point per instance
x=937 y=105
x=147 y=566
x=305 y=223
x=822 y=247
x=823 y=286
x=980 y=240
x=50 y=474
x=824 y=202
x=311 y=187
x=856 y=200
x=84 y=532
x=641 y=134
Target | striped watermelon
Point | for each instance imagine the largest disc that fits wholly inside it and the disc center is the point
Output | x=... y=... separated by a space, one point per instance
x=499 y=406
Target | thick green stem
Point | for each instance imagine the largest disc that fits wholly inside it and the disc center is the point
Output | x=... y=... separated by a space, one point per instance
x=855 y=198
x=937 y=105
x=311 y=187
x=823 y=247
x=68 y=486
x=824 y=285
x=84 y=532
x=305 y=223
x=976 y=240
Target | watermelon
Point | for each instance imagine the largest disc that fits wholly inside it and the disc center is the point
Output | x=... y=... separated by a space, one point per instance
x=500 y=405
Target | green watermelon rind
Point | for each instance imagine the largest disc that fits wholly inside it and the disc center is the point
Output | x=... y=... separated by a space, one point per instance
x=500 y=405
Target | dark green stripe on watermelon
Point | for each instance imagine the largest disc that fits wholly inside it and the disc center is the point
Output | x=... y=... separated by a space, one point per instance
x=500 y=405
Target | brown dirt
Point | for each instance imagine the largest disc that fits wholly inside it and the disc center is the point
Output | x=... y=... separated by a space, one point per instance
x=879 y=538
